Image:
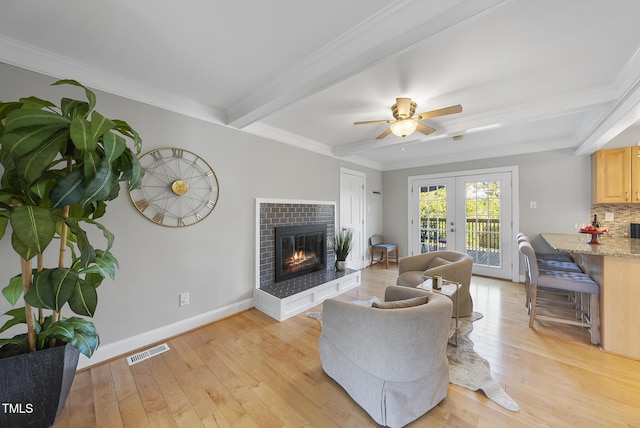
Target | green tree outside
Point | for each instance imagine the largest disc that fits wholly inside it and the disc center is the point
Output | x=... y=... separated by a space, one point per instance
x=482 y=209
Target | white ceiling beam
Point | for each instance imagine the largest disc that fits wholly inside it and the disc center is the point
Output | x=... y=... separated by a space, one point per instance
x=620 y=115
x=388 y=33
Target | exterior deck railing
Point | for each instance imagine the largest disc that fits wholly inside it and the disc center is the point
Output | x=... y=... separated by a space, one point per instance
x=481 y=234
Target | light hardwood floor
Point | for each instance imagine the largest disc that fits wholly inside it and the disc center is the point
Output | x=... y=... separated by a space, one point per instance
x=252 y=371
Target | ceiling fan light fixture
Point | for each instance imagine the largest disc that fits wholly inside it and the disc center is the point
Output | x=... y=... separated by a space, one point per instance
x=403 y=127
x=406 y=121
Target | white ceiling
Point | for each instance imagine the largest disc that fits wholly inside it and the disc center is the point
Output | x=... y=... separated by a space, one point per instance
x=531 y=75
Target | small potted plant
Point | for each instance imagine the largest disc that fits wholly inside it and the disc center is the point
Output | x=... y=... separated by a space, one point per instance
x=344 y=243
x=60 y=165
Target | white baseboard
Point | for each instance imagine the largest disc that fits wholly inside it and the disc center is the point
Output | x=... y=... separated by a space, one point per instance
x=124 y=346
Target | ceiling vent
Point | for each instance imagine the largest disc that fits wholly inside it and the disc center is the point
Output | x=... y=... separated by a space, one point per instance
x=145 y=355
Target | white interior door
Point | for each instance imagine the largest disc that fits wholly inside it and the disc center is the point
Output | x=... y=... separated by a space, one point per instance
x=352 y=203
x=467 y=213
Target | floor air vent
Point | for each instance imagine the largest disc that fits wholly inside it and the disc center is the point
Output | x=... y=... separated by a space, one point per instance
x=145 y=355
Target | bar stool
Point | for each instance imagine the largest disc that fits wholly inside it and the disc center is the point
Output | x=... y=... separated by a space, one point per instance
x=559 y=262
x=557 y=257
x=587 y=315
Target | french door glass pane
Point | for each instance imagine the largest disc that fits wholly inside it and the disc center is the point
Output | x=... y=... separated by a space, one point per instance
x=482 y=231
x=433 y=218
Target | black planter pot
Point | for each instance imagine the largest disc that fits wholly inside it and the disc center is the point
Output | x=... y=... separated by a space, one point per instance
x=34 y=386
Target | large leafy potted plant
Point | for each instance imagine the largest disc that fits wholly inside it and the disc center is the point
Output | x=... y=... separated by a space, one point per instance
x=344 y=243
x=61 y=164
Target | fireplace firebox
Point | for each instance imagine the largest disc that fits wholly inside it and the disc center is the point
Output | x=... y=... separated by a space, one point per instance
x=300 y=250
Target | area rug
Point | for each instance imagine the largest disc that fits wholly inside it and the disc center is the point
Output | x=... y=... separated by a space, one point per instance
x=466 y=368
x=470 y=370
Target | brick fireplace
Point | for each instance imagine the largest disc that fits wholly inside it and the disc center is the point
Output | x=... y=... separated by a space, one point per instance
x=279 y=297
x=283 y=213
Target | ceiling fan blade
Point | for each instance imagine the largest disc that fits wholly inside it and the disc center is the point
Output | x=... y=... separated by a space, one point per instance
x=440 y=112
x=426 y=130
x=384 y=134
x=369 y=122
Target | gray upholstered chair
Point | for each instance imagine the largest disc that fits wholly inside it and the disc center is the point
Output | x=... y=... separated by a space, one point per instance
x=392 y=362
x=451 y=265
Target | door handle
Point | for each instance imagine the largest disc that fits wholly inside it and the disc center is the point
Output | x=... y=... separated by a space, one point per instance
x=452 y=229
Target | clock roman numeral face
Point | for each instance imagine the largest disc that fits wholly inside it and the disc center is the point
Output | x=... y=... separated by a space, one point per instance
x=178 y=189
x=142 y=204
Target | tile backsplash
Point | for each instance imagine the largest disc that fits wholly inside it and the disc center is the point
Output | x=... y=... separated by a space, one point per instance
x=623 y=215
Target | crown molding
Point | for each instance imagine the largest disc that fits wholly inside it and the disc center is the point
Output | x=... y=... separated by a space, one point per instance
x=493 y=152
x=32 y=58
x=276 y=134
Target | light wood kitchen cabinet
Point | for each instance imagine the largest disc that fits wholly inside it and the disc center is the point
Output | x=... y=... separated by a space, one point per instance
x=616 y=176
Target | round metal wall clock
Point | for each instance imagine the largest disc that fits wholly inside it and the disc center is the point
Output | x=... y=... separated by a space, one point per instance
x=178 y=189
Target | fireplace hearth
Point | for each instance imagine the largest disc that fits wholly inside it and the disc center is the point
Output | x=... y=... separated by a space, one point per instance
x=300 y=250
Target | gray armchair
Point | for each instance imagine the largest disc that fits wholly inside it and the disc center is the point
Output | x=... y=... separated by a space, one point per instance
x=451 y=265
x=392 y=362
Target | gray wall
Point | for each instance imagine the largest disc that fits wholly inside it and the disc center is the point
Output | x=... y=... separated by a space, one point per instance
x=214 y=259
x=558 y=181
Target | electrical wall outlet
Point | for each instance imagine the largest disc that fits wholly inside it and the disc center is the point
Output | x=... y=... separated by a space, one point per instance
x=608 y=216
x=184 y=299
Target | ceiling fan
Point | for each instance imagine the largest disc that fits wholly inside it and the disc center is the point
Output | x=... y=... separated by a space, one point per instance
x=406 y=121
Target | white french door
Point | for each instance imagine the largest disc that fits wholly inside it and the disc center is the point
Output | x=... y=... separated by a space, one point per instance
x=467 y=213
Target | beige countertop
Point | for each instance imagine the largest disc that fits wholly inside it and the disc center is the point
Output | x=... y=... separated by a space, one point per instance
x=578 y=243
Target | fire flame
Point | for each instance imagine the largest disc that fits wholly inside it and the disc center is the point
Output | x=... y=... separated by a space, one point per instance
x=299 y=255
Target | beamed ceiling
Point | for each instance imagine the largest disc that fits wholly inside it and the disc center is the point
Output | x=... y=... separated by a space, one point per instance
x=531 y=75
